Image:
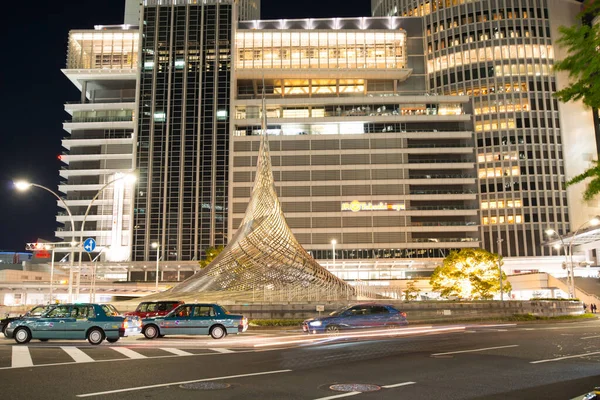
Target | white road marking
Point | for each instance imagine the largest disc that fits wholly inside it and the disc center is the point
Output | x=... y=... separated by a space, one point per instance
x=529 y=329
x=338 y=396
x=398 y=385
x=176 y=351
x=474 y=350
x=564 y=358
x=21 y=357
x=77 y=355
x=501 y=330
x=590 y=337
x=128 y=352
x=133 y=389
x=224 y=351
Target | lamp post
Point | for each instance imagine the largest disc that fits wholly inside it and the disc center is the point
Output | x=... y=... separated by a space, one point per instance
x=499 y=241
x=156 y=246
x=51 y=272
x=333 y=243
x=594 y=221
x=569 y=256
x=23 y=186
x=550 y=233
x=130 y=178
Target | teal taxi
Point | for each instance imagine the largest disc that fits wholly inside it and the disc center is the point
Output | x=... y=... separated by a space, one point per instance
x=94 y=322
x=195 y=319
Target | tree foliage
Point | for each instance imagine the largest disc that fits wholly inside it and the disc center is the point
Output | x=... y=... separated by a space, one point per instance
x=469 y=274
x=593 y=186
x=582 y=42
x=411 y=292
x=210 y=254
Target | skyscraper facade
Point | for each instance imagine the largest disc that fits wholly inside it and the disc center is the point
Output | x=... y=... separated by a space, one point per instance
x=501 y=53
x=183 y=126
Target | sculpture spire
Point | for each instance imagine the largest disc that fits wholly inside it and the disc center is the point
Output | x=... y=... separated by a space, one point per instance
x=264 y=254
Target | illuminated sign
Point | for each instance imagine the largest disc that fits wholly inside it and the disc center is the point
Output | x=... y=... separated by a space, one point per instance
x=356 y=206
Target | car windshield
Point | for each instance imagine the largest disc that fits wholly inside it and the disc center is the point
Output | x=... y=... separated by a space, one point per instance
x=39 y=310
x=338 y=312
x=110 y=310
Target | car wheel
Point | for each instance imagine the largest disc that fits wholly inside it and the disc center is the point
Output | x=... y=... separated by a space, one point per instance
x=95 y=336
x=151 y=332
x=218 y=332
x=333 y=330
x=112 y=340
x=22 y=335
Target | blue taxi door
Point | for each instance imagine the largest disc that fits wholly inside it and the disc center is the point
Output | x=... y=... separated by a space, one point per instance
x=178 y=322
x=52 y=326
x=78 y=323
x=202 y=319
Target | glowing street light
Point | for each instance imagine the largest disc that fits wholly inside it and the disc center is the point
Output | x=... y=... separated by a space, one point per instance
x=25 y=185
x=156 y=246
x=569 y=250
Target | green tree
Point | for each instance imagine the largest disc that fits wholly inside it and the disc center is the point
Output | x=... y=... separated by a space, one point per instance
x=210 y=254
x=469 y=274
x=593 y=186
x=411 y=292
x=582 y=42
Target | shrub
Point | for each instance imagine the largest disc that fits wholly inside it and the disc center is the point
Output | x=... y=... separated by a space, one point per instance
x=275 y=322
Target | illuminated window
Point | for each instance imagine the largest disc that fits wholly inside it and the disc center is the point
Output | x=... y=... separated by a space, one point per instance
x=481 y=126
x=490 y=54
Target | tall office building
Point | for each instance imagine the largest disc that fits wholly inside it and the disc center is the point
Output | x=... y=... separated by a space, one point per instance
x=366 y=163
x=102 y=63
x=183 y=126
x=501 y=53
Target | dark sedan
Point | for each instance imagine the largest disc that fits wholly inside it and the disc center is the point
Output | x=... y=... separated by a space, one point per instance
x=34 y=312
x=357 y=317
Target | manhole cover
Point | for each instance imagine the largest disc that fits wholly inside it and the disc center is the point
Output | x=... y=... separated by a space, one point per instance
x=205 y=386
x=354 y=387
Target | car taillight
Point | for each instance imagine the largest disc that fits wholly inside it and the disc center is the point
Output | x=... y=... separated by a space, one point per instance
x=403 y=314
x=125 y=324
x=244 y=321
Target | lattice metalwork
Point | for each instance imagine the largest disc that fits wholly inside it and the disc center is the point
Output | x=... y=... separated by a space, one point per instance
x=264 y=259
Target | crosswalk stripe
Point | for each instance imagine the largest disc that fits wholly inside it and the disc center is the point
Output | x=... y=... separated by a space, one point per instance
x=176 y=351
x=218 y=350
x=76 y=354
x=21 y=357
x=128 y=352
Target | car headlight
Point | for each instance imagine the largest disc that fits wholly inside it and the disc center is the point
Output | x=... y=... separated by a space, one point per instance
x=315 y=323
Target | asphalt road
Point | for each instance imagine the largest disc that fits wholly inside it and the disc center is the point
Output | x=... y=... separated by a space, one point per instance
x=528 y=361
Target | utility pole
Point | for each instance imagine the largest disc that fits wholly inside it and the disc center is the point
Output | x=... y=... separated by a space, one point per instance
x=499 y=241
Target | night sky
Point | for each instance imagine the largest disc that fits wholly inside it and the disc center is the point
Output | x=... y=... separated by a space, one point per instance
x=33 y=91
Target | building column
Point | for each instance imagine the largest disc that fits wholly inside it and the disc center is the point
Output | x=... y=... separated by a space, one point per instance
x=83 y=92
x=145 y=275
x=129 y=275
x=178 y=275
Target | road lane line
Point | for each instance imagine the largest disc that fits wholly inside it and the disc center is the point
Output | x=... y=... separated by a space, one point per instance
x=133 y=389
x=76 y=354
x=474 y=350
x=590 y=337
x=398 y=385
x=224 y=351
x=339 y=396
x=176 y=351
x=564 y=358
x=128 y=352
x=21 y=357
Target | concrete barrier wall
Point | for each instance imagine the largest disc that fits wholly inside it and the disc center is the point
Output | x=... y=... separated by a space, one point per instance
x=417 y=311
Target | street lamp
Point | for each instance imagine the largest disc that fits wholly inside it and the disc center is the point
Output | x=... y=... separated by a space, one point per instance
x=23 y=186
x=551 y=232
x=156 y=246
x=499 y=241
x=569 y=251
x=333 y=243
x=130 y=178
x=49 y=247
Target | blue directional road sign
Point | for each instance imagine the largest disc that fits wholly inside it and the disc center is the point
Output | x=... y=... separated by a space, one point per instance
x=89 y=245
